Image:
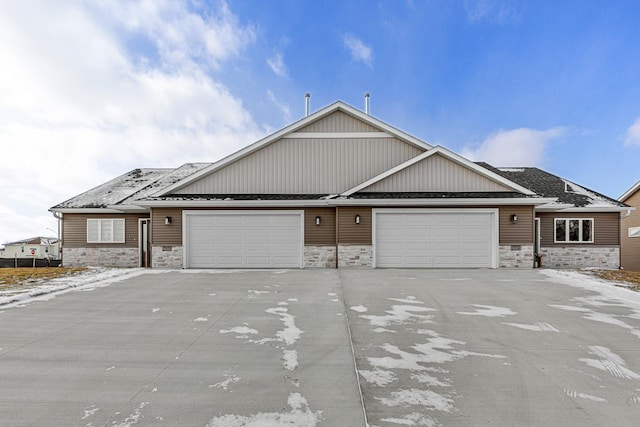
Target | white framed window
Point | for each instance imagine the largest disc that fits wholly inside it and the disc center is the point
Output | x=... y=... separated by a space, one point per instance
x=573 y=230
x=105 y=230
x=634 y=231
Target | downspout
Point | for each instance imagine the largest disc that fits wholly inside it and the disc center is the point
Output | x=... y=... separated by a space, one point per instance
x=337 y=234
x=627 y=214
x=58 y=216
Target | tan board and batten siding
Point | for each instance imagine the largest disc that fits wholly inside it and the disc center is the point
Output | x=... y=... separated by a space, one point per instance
x=606 y=228
x=436 y=173
x=339 y=122
x=306 y=166
x=74 y=232
x=630 y=246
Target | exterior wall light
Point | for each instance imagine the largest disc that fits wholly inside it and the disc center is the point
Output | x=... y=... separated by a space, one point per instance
x=167 y=220
x=514 y=218
x=357 y=219
x=317 y=220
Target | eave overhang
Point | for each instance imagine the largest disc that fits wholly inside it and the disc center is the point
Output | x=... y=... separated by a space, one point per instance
x=87 y=210
x=349 y=202
x=583 y=209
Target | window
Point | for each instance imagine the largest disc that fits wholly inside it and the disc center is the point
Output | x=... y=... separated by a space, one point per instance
x=105 y=231
x=572 y=230
x=634 y=231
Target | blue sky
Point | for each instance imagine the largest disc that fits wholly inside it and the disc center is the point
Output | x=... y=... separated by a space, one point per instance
x=90 y=90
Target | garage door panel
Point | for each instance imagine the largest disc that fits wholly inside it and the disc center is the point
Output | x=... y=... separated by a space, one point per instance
x=244 y=240
x=434 y=239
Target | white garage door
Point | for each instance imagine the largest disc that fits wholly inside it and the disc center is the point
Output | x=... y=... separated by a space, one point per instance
x=243 y=239
x=446 y=239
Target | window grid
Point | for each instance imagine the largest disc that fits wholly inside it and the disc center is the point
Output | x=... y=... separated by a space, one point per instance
x=105 y=230
x=573 y=230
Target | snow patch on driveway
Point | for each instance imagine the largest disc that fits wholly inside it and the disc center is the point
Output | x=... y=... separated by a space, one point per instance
x=489 y=311
x=537 y=327
x=416 y=397
x=610 y=362
x=299 y=415
x=400 y=314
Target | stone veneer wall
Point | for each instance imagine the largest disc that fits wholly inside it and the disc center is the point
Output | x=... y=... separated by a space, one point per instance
x=319 y=257
x=515 y=256
x=166 y=257
x=581 y=257
x=105 y=257
x=355 y=256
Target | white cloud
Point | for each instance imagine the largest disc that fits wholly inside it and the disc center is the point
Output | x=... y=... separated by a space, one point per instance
x=498 y=11
x=284 y=108
x=633 y=134
x=359 y=51
x=277 y=65
x=79 y=106
x=516 y=147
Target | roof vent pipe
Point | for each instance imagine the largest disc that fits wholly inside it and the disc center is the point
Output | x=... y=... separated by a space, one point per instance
x=366 y=103
x=307 y=100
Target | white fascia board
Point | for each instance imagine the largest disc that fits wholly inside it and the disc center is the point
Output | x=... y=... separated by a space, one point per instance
x=587 y=209
x=449 y=155
x=440 y=202
x=129 y=208
x=236 y=203
x=629 y=192
x=339 y=105
x=87 y=210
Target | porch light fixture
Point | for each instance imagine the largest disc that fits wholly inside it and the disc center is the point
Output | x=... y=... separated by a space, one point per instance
x=514 y=218
x=167 y=220
x=317 y=220
x=357 y=219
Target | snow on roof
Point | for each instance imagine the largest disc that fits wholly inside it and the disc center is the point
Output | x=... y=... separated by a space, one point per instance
x=511 y=169
x=116 y=190
x=131 y=186
x=594 y=200
x=165 y=181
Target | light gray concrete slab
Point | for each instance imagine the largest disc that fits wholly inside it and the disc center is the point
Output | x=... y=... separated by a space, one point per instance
x=432 y=347
x=491 y=347
x=181 y=348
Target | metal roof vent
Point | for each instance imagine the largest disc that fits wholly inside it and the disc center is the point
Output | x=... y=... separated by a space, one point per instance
x=307 y=102
x=366 y=103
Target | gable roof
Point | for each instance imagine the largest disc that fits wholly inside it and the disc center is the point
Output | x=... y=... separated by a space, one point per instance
x=483 y=173
x=569 y=194
x=630 y=192
x=297 y=128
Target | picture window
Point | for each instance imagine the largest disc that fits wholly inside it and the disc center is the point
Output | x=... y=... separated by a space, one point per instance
x=574 y=230
x=105 y=231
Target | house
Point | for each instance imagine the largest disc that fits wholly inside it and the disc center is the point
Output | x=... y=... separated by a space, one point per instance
x=630 y=230
x=340 y=188
x=35 y=247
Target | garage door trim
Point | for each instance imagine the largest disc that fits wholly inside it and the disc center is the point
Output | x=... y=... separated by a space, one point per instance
x=494 y=223
x=186 y=214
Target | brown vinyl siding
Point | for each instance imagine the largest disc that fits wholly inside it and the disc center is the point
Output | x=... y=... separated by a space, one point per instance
x=349 y=232
x=74 y=230
x=630 y=246
x=323 y=234
x=166 y=235
x=606 y=228
x=520 y=233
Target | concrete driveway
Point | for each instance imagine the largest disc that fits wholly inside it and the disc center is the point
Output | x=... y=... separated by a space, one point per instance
x=276 y=348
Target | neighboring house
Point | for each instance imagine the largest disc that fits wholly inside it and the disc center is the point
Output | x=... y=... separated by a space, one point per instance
x=35 y=247
x=630 y=230
x=340 y=188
